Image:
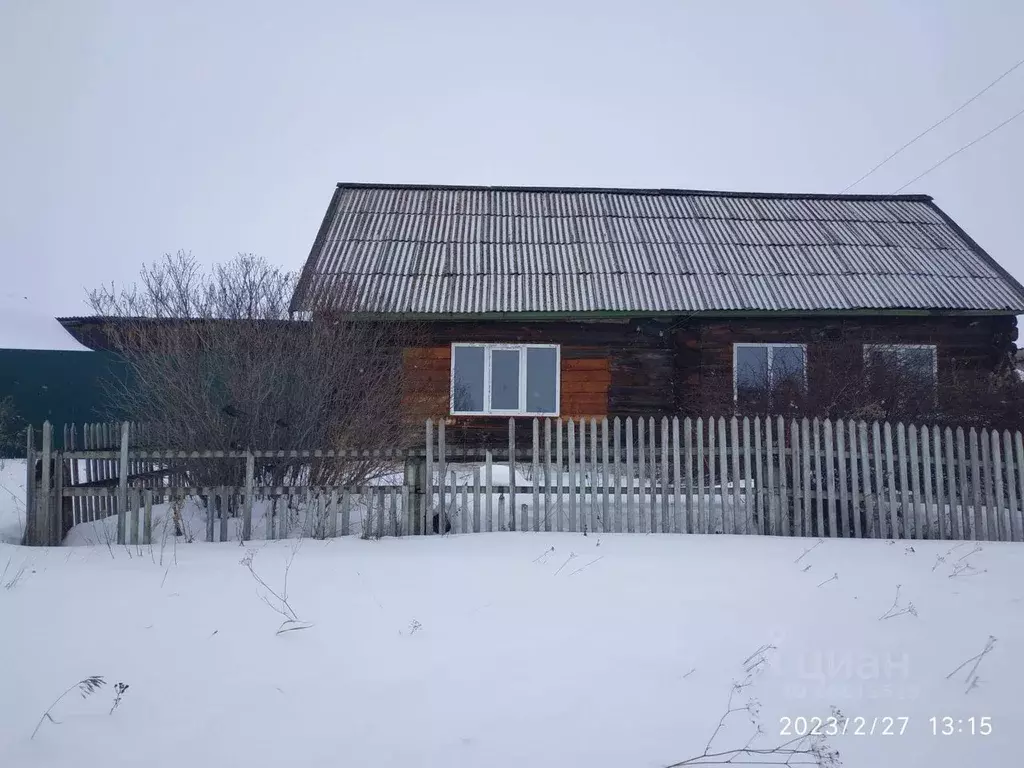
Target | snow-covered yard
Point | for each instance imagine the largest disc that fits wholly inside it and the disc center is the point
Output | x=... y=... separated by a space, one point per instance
x=512 y=649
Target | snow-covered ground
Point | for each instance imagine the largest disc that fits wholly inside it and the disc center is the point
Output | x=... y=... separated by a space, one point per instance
x=512 y=649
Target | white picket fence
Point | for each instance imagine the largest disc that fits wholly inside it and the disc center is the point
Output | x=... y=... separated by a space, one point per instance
x=748 y=476
x=648 y=475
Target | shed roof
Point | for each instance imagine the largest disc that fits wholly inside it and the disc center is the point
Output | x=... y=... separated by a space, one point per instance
x=483 y=251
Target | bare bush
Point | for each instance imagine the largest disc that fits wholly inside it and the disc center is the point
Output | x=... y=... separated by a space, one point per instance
x=276 y=600
x=216 y=362
x=11 y=443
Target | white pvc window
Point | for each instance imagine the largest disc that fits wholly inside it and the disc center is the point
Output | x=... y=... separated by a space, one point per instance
x=505 y=379
x=763 y=368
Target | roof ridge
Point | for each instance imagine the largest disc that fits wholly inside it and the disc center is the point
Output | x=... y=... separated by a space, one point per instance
x=918 y=198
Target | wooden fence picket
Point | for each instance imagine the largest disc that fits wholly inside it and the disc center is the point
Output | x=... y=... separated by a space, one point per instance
x=559 y=496
x=995 y=511
x=702 y=513
x=594 y=465
x=1011 y=488
x=630 y=479
x=583 y=481
x=678 y=525
x=548 y=473
x=759 y=487
x=877 y=471
x=851 y=431
x=606 y=503
x=1017 y=515
x=573 y=474
x=691 y=521
x=771 y=522
x=748 y=481
x=844 y=500
x=535 y=478
x=512 y=482
x=893 y=530
x=728 y=523
x=931 y=529
x=914 y=513
x=801 y=525
x=641 y=471
x=940 y=485
x=978 y=526
x=754 y=475
x=830 y=478
x=738 y=521
x=663 y=476
x=988 y=521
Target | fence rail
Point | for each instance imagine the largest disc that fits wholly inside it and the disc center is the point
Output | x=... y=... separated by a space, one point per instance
x=648 y=475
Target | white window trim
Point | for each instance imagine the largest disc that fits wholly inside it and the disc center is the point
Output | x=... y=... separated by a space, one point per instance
x=521 y=349
x=770 y=345
x=897 y=347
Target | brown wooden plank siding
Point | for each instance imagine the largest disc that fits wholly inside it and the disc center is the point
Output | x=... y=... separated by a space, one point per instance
x=684 y=365
x=835 y=346
x=607 y=368
x=584 y=385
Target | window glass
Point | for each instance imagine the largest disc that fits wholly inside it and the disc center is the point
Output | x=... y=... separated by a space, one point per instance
x=505 y=379
x=541 y=379
x=751 y=368
x=468 y=379
x=788 y=366
x=919 y=364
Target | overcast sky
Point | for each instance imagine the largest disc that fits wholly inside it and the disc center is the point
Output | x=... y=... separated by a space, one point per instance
x=131 y=128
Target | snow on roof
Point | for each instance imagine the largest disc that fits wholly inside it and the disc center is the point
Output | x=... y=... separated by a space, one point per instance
x=24 y=325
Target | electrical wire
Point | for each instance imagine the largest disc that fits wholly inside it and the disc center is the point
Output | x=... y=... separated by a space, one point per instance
x=933 y=127
x=951 y=155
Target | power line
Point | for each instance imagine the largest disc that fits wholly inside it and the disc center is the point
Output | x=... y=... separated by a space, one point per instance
x=965 y=146
x=933 y=127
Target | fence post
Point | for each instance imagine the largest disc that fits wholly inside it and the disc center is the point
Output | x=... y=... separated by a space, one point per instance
x=511 y=474
x=122 y=486
x=250 y=475
x=428 y=499
x=57 y=519
x=29 y=536
x=43 y=516
x=147 y=527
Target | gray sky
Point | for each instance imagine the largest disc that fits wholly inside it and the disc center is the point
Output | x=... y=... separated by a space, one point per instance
x=132 y=128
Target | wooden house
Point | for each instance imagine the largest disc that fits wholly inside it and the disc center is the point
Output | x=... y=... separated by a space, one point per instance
x=576 y=302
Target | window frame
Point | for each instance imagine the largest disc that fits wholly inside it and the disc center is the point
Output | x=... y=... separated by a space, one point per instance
x=770 y=345
x=897 y=347
x=523 y=357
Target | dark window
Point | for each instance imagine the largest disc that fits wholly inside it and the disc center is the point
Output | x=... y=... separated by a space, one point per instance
x=901 y=377
x=769 y=377
x=468 y=379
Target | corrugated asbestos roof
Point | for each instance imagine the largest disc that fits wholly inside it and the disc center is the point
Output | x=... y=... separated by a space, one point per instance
x=434 y=250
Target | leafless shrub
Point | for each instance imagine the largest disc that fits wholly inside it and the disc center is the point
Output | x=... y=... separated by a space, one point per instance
x=276 y=601
x=809 y=749
x=85 y=687
x=16 y=576
x=895 y=609
x=119 y=691
x=215 y=362
x=10 y=433
x=972 y=678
